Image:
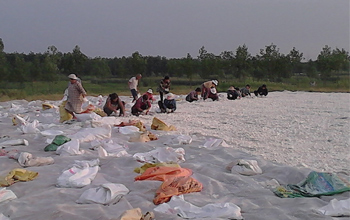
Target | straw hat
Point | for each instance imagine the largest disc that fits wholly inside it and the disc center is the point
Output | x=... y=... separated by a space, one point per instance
x=72 y=76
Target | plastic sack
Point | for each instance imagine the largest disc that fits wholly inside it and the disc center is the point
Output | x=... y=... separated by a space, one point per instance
x=158 y=124
x=70 y=148
x=176 y=186
x=6 y=195
x=316 y=184
x=143 y=137
x=106 y=194
x=57 y=141
x=16 y=175
x=15 y=142
x=136 y=214
x=178 y=206
x=162 y=173
x=179 y=140
x=336 y=208
x=51 y=133
x=26 y=159
x=161 y=155
x=79 y=175
x=109 y=149
x=16 y=119
x=64 y=114
x=91 y=134
x=100 y=112
x=247 y=167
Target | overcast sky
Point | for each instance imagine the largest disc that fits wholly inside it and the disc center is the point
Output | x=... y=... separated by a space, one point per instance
x=173 y=28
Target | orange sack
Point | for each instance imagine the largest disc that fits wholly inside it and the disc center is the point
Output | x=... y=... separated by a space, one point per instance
x=163 y=173
x=176 y=186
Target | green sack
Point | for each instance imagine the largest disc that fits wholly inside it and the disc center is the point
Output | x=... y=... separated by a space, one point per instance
x=57 y=141
x=316 y=184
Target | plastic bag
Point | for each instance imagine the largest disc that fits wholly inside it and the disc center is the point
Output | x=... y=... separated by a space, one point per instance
x=178 y=206
x=79 y=175
x=129 y=130
x=26 y=159
x=16 y=175
x=70 y=148
x=176 y=186
x=6 y=195
x=162 y=173
x=57 y=141
x=106 y=194
x=336 y=208
x=15 y=142
x=30 y=127
x=91 y=134
x=161 y=155
x=179 y=140
x=247 y=167
x=64 y=114
x=101 y=121
x=144 y=167
x=158 y=124
x=87 y=116
x=213 y=143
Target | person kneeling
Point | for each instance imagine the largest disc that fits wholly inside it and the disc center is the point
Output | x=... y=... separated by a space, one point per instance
x=169 y=104
x=193 y=96
x=142 y=104
x=213 y=94
x=233 y=93
x=262 y=90
x=113 y=104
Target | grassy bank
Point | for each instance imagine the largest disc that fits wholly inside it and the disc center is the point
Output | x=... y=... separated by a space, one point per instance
x=54 y=90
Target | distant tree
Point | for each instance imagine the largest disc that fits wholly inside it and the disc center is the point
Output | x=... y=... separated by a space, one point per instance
x=295 y=58
x=209 y=63
x=3 y=63
x=242 y=61
x=97 y=67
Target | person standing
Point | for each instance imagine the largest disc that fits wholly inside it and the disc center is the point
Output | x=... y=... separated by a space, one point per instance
x=207 y=86
x=164 y=87
x=133 y=86
x=76 y=94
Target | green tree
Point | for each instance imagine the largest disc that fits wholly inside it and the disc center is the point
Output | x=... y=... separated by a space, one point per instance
x=242 y=61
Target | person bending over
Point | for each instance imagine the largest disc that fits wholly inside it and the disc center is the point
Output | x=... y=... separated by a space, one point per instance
x=76 y=93
x=169 y=104
x=206 y=86
x=113 y=104
x=193 y=96
x=232 y=93
x=142 y=104
x=245 y=91
x=262 y=90
x=164 y=87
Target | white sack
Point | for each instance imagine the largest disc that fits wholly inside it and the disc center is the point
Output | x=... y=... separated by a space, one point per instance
x=51 y=133
x=129 y=130
x=15 y=142
x=87 y=116
x=106 y=194
x=91 y=134
x=247 y=167
x=69 y=148
x=161 y=155
x=178 y=206
x=109 y=149
x=26 y=159
x=336 y=208
x=79 y=175
x=6 y=195
x=179 y=140
x=98 y=122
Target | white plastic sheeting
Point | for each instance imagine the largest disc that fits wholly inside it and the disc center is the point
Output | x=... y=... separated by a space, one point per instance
x=91 y=134
x=129 y=130
x=106 y=194
x=79 y=175
x=178 y=206
x=161 y=155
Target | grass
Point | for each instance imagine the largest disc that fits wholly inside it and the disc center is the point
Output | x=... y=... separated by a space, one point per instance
x=54 y=90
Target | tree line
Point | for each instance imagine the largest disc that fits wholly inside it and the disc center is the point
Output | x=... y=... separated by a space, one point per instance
x=269 y=64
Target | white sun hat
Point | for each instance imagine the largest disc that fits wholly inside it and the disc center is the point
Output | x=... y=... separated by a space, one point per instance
x=150 y=91
x=72 y=76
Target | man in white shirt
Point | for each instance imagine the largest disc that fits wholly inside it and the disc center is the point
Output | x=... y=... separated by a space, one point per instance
x=133 y=83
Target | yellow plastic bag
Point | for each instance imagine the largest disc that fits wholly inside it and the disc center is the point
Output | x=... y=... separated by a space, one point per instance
x=158 y=124
x=100 y=112
x=64 y=114
x=46 y=106
x=16 y=175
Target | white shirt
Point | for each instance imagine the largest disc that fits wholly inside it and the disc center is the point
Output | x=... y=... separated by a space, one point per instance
x=133 y=83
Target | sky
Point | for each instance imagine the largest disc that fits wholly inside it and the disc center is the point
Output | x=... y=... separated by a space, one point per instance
x=116 y=28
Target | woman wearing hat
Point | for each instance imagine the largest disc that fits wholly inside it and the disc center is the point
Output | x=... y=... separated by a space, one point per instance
x=206 y=86
x=76 y=93
x=149 y=93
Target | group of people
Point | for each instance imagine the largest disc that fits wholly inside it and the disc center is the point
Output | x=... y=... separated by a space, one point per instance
x=167 y=103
